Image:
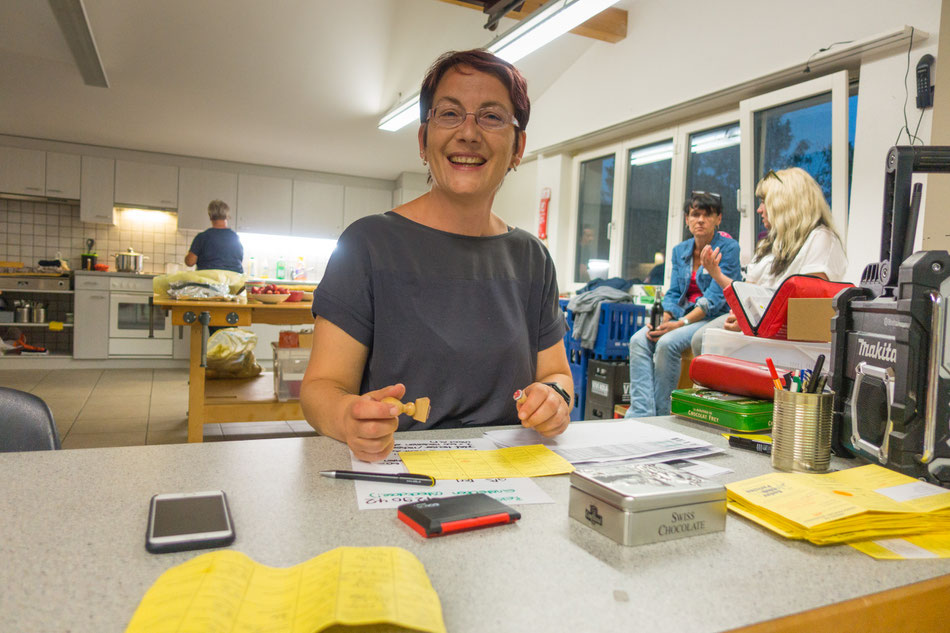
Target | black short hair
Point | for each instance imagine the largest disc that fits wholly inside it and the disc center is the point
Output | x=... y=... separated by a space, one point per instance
x=702 y=200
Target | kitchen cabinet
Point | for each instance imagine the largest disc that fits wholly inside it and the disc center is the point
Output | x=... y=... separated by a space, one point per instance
x=317 y=209
x=91 y=315
x=359 y=202
x=264 y=204
x=146 y=185
x=22 y=171
x=97 y=186
x=63 y=175
x=198 y=187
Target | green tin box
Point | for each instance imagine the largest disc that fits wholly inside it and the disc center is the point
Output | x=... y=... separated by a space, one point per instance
x=738 y=413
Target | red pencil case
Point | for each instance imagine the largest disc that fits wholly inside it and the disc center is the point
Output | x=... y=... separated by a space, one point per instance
x=731 y=375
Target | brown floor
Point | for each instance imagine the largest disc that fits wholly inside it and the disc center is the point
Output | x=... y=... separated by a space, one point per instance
x=130 y=407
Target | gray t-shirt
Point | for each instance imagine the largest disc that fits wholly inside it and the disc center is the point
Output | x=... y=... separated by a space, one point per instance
x=455 y=318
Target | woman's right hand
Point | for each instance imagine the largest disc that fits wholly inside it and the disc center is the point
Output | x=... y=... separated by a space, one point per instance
x=731 y=323
x=369 y=424
x=710 y=257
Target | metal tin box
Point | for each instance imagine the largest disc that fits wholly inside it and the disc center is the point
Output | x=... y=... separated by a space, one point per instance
x=635 y=504
x=738 y=413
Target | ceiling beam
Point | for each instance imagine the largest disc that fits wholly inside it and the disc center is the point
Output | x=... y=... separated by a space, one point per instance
x=609 y=25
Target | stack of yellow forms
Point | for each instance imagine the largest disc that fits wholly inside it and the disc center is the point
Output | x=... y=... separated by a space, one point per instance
x=857 y=504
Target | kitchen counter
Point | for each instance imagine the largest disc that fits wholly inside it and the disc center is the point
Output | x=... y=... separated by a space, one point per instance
x=234 y=400
x=111 y=273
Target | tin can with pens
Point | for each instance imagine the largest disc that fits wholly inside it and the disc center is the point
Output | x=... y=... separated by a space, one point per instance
x=801 y=431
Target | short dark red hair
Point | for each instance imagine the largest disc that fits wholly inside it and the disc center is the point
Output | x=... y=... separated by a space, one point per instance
x=482 y=61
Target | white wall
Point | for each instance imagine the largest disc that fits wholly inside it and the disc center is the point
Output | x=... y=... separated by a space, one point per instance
x=679 y=50
x=515 y=202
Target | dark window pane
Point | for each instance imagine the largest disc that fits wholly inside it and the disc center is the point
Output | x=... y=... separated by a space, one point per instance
x=595 y=206
x=798 y=134
x=714 y=167
x=647 y=211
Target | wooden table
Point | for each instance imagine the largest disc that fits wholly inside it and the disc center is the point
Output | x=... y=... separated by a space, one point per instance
x=233 y=400
x=72 y=546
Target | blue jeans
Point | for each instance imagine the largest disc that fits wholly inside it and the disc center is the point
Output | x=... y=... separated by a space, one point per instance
x=655 y=369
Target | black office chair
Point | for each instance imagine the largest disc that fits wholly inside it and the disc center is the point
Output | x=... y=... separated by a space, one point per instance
x=26 y=423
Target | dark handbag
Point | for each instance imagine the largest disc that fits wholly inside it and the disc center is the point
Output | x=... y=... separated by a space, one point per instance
x=773 y=322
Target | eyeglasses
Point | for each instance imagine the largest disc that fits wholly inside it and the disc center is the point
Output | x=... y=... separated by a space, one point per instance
x=696 y=194
x=489 y=118
x=772 y=174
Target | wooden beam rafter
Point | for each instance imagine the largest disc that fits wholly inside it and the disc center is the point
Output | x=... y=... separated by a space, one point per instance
x=609 y=25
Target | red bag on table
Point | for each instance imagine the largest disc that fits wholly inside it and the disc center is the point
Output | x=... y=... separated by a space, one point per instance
x=761 y=312
x=731 y=375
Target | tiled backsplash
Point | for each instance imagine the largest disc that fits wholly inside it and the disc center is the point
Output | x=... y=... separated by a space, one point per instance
x=31 y=231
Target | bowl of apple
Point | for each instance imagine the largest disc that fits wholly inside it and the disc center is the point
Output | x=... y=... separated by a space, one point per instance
x=269 y=293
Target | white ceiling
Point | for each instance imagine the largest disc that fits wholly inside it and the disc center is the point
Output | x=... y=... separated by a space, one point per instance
x=290 y=83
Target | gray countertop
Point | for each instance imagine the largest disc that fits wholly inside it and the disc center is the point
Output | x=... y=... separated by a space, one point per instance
x=112 y=273
x=73 y=556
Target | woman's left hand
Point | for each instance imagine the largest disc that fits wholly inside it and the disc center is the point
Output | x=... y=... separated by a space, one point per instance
x=544 y=410
x=663 y=328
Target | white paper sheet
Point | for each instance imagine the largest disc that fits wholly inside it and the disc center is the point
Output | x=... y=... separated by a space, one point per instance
x=609 y=441
x=372 y=495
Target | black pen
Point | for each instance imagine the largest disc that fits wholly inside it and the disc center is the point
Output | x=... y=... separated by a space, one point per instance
x=737 y=441
x=392 y=478
x=815 y=374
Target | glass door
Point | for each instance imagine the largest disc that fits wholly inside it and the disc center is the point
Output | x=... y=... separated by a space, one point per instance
x=594 y=213
x=647 y=211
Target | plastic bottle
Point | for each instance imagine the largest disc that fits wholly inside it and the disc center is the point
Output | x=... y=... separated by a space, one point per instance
x=252 y=266
x=280 y=271
x=656 y=312
x=300 y=271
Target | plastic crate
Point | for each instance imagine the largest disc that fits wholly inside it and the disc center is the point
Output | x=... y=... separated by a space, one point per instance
x=290 y=363
x=617 y=323
x=578 y=360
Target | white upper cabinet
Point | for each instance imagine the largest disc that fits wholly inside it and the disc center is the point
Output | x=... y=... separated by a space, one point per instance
x=198 y=187
x=22 y=171
x=63 y=175
x=359 y=202
x=264 y=204
x=96 y=203
x=146 y=185
x=317 y=209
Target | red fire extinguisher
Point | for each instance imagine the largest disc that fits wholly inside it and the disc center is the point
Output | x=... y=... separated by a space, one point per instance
x=543 y=213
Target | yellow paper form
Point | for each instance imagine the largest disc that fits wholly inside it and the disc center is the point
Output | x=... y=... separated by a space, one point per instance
x=535 y=460
x=856 y=504
x=228 y=591
x=908 y=548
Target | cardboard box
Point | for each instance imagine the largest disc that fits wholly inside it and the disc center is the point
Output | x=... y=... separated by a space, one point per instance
x=810 y=319
x=305 y=339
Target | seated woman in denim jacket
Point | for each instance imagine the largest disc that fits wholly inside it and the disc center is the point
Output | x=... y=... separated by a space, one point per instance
x=691 y=300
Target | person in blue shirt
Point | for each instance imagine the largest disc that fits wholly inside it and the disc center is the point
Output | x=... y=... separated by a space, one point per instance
x=217 y=248
x=692 y=299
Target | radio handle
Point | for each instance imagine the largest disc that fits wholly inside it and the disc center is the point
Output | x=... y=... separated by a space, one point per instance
x=937 y=319
x=902 y=163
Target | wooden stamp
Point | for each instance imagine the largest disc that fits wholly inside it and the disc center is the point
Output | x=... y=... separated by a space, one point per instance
x=418 y=410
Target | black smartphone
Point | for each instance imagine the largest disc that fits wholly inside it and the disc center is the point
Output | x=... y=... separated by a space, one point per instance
x=188 y=520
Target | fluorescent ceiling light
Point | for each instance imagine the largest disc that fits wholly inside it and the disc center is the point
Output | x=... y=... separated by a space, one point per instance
x=547 y=23
x=402 y=115
x=74 y=23
x=711 y=141
x=652 y=154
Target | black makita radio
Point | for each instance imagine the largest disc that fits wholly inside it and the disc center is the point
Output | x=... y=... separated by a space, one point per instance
x=888 y=348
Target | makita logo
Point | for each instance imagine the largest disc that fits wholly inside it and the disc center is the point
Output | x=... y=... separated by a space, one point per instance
x=878 y=351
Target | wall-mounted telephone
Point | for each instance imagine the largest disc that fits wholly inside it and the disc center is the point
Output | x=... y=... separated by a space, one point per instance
x=925 y=91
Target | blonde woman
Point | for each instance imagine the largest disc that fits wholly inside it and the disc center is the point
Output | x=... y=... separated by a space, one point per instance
x=801 y=237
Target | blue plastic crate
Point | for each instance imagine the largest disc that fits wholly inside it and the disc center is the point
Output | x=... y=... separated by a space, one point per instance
x=618 y=322
x=578 y=359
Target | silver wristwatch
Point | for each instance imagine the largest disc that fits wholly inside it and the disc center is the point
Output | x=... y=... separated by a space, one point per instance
x=684 y=320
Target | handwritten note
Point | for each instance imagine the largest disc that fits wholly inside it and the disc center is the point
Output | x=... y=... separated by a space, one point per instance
x=516 y=461
x=372 y=495
x=351 y=586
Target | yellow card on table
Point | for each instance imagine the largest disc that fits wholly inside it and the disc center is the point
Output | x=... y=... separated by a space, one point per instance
x=535 y=460
x=352 y=586
x=907 y=548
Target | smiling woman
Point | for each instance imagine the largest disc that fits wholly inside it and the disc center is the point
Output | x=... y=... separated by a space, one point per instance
x=440 y=298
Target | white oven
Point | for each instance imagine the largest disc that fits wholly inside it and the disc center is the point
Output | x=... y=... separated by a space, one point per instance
x=129 y=320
